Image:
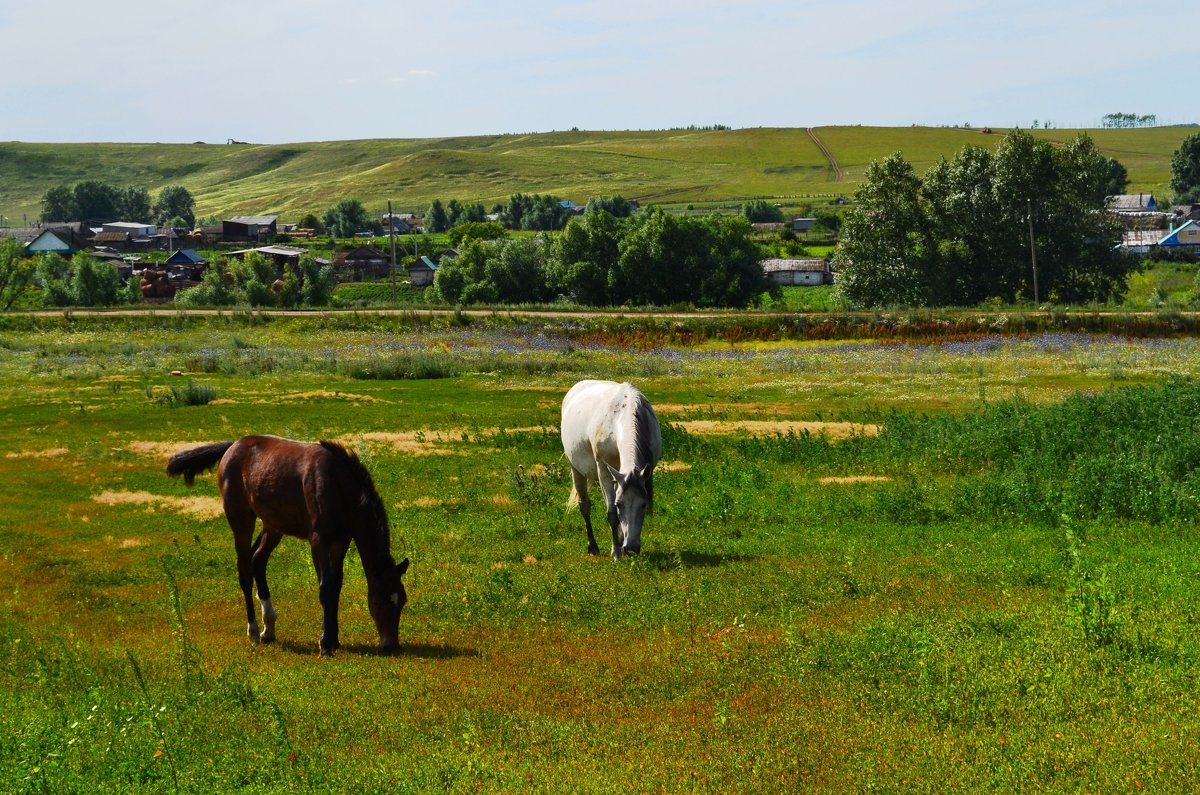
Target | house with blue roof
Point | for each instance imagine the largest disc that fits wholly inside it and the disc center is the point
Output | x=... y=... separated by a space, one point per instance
x=1187 y=235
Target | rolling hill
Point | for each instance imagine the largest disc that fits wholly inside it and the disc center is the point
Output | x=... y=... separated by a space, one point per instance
x=666 y=166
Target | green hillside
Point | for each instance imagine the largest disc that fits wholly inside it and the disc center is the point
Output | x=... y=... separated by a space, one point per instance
x=654 y=167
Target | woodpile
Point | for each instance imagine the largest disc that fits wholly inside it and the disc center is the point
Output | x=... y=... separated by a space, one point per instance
x=156 y=284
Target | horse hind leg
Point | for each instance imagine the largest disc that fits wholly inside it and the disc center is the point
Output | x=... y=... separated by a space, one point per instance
x=243 y=526
x=264 y=545
x=579 y=492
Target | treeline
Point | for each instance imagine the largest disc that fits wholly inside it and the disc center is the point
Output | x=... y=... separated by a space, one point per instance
x=654 y=259
x=1126 y=120
x=961 y=235
x=524 y=212
x=92 y=201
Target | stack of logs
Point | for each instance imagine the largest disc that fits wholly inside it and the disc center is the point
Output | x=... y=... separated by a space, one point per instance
x=156 y=284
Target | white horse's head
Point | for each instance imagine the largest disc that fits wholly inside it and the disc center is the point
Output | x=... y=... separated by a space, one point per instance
x=634 y=495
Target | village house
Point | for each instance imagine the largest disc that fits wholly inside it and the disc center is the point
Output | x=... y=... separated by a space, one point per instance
x=802 y=272
x=255 y=228
x=1132 y=204
x=364 y=262
x=62 y=240
x=1183 y=237
x=422 y=272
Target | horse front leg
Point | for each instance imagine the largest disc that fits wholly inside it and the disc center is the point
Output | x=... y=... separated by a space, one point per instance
x=609 y=488
x=328 y=561
x=580 y=484
x=264 y=545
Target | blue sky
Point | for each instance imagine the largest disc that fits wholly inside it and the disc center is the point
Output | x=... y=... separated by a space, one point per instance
x=305 y=70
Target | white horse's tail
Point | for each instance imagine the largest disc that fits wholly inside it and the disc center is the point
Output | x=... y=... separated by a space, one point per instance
x=573 y=497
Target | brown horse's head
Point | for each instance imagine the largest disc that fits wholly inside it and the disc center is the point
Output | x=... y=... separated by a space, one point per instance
x=386 y=599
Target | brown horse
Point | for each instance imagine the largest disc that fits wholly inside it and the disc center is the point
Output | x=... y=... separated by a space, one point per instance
x=320 y=492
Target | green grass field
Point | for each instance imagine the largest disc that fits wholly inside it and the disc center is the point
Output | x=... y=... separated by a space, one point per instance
x=968 y=564
x=664 y=167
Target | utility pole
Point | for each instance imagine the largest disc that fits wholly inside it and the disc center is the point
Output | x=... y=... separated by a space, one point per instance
x=392 y=238
x=1032 y=249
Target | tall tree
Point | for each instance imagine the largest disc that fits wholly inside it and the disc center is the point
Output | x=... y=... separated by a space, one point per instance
x=436 y=219
x=886 y=246
x=58 y=204
x=16 y=272
x=97 y=202
x=1185 y=170
x=175 y=201
x=345 y=218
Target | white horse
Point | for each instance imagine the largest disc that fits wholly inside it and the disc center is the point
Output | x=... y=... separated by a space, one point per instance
x=610 y=434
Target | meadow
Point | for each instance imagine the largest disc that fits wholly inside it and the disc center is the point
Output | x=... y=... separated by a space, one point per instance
x=677 y=168
x=961 y=563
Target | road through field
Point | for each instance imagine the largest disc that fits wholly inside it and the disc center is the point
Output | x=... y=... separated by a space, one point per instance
x=833 y=163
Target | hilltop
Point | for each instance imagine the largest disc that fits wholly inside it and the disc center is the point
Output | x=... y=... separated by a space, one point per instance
x=665 y=167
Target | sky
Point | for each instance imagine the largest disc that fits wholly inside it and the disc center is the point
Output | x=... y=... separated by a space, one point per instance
x=311 y=70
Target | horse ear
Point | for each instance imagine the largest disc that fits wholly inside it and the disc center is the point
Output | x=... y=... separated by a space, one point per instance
x=402 y=566
x=616 y=473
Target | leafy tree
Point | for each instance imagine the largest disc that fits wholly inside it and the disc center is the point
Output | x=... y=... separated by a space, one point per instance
x=885 y=245
x=582 y=257
x=761 y=212
x=617 y=206
x=1185 y=170
x=311 y=221
x=828 y=221
x=52 y=273
x=97 y=202
x=175 y=200
x=345 y=218
x=962 y=235
x=317 y=281
x=16 y=272
x=133 y=204
x=473 y=214
x=666 y=259
x=58 y=204
x=436 y=219
x=94 y=283
x=476 y=230
x=535 y=212
x=253 y=277
x=216 y=288
x=289 y=293
x=515 y=271
x=454 y=212
x=1118 y=178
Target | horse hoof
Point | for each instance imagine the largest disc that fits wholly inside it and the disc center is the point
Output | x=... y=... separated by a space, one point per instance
x=267 y=636
x=593 y=550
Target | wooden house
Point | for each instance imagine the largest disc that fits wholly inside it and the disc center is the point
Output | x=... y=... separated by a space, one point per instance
x=422 y=272
x=1132 y=204
x=364 y=262
x=250 y=227
x=802 y=272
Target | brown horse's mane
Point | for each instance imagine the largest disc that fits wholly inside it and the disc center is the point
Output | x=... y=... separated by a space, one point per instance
x=367 y=498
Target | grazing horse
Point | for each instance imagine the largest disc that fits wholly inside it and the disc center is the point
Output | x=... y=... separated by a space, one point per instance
x=320 y=492
x=610 y=434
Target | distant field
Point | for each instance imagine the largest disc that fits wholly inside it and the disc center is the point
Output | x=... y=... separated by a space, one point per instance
x=663 y=167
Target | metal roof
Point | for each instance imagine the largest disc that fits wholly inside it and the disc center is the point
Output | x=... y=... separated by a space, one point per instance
x=802 y=265
x=254 y=220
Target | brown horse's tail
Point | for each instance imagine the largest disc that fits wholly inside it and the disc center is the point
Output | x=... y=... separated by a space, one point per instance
x=192 y=462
